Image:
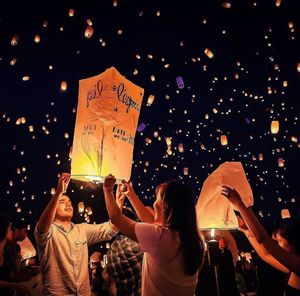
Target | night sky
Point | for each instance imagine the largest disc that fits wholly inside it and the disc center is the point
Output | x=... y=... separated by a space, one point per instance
x=251 y=80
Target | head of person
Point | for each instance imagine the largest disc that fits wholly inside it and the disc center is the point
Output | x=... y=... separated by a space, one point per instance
x=64 y=211
x=288 y=235
x=175 y=208
x=5 y=228
x=223 y=243
x=19 y=228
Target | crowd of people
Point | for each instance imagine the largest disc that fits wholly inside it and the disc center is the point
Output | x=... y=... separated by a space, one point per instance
x=155 y=251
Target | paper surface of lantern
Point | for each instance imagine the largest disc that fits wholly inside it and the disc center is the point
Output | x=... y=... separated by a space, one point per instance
x=213 y=209
x=106 y=121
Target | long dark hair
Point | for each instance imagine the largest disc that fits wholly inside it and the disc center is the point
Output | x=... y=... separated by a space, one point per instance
x=179 y=209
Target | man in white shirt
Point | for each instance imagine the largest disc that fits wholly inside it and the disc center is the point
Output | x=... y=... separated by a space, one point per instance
x=63 y=246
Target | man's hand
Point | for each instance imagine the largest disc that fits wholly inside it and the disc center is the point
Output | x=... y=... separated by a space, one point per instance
x=109 y=182
x=63 y=183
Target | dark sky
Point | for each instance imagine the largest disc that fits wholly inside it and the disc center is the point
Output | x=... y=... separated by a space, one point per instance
x=251 y=80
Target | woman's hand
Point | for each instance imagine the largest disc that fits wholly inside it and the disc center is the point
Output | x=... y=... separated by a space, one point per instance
x=232 y=195
x=126 y=189
x=109 y=182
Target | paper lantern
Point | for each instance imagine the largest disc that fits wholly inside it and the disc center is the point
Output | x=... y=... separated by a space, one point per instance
x=285 y=213
x=274 y=126
x=13 y=62
x=63 y=86
x=180 y=148
x=37 y=39
x=280 y=162
x=213 y=209
x=106 y=122
x=185 y=171
x=150 y=100
x=168 y=141
x=298 y=67
x=89 y=32
x=180 y=82
x=278 y=2
x=81 y=207
x=14 y=40
x=89 y=211
x=208 y=53
x=224 y=140
x=226 y=5
x=71 y=12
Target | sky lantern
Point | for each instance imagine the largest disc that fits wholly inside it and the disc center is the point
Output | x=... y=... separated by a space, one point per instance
x=37 y=38
x=226 y=5
x=106 y=122
x=81 y=207
x=150 y=100
x=224 y=140
x=285 y=213
x=180 y=148
x=63 y=86
x=298 y=67
x=274 y=126
x=71 y=12
x=14 y=40
x=213 y=209
x=281 y=162
x=278 y=3
x=89 y=32
x=208 y=53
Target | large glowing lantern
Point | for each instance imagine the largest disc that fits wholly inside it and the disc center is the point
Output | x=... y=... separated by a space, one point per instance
x=274 y=126
x=106 y=121
x=213 y=209
x=224 y=140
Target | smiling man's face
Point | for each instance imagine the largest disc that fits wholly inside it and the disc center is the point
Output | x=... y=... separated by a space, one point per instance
x=64 y=209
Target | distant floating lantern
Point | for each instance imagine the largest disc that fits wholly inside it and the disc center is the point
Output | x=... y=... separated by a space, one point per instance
x=150 y=100
x=298 y=67
x=81 y=207
x=185 y=171
x=169 y=152
x=274 y=126
x=89 y=32
x=63 y=86
x=52 y=191
x=168 y=141
x=180 y=82
x=66 y=136
x=180 y=148
x=285 y=83
x=291 y=25
x=260 y=156
x=89 y=211
x=18 y=121
x=224 y=140
x=115 y=3
x=23 y=120
x=148 y=140
x=25 y=78
x=89 y=22
x=285 y=213
x=226 y=5
x=281 y=162
x=14 y=40
x=278 y=3
x=13 y=61
x=152 y=78
x=208 y=53
x=37 y=39
x=71 y=12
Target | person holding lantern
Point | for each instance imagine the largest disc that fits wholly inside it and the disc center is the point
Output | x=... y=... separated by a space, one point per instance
x=283 y=254
x=63 y=246
x=172 y=246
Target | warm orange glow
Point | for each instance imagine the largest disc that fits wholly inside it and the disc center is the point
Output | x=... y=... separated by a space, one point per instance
x=63 y=86
x=274 y=126
x=208 y=53
x=89 y=32
x=224 y=140
x=14 y=40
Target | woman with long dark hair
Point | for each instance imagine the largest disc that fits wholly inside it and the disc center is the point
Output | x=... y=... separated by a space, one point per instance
x=171 y=243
